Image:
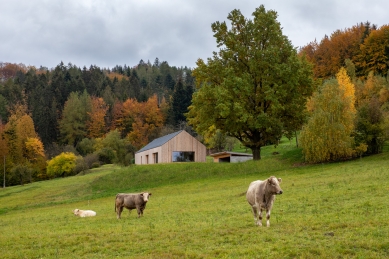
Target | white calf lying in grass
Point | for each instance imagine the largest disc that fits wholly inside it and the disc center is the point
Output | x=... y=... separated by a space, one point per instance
x=84 y=213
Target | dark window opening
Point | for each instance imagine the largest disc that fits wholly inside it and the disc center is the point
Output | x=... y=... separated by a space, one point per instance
x=224 y=160
x=178 y=156
x=155 y=158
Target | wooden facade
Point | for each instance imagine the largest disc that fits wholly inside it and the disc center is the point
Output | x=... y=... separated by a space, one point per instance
x=166 y=149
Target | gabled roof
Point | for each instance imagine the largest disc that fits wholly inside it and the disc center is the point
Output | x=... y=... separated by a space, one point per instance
x=159 y=141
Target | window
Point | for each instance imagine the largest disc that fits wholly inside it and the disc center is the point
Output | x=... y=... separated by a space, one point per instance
x=155 y=155
x=178 y=156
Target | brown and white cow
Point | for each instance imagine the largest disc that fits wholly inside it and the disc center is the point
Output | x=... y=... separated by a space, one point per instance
x=261 y=196
x=131 y=201
x=84 y=213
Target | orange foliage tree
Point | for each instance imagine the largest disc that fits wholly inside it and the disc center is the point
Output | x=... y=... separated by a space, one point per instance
x=96 y=120
x=147 y=119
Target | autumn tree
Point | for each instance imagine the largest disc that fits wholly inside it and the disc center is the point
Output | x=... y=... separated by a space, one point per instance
x=374 y=53
x=16 y=131
x=96 y=119
x=255 y=87
x=372 y=124
x=146 y=119
x=328 y=133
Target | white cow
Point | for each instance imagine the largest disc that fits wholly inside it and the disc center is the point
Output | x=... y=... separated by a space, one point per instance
x=261 y=196
x=84 y=213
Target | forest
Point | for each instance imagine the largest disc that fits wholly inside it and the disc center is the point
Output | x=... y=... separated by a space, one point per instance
x=102 y=115
x=92 y=116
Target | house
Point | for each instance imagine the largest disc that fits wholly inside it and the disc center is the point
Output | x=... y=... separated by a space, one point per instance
x=231 y=157
x=179 y=146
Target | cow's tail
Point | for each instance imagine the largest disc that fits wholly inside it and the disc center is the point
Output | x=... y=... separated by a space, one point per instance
x=243 y=193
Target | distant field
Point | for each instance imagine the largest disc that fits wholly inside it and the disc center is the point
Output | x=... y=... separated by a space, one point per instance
x=337 y=210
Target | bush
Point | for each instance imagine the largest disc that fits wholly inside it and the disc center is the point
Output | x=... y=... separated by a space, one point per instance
x=21 y=174
x=62 y=165
x=91 y=160
x=107 y=155
x=86 y=146
x=81 y=165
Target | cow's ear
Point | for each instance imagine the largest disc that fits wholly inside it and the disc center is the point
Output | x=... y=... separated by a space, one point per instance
x=141 y=194
x=269 y=180
x=279 y=180
x=150 y=193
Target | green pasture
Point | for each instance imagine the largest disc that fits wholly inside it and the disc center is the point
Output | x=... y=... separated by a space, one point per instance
x=197 y=210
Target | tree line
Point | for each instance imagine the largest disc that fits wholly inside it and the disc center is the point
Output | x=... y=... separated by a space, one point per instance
x=103 y=115
x=365 y=46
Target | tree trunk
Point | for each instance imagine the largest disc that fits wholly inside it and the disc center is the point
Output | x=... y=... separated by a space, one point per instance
x=256 y=153
x=297 y=143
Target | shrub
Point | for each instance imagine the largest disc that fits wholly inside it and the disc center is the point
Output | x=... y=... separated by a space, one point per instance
x=81 y=165
x=86 y=146
x=91 y=160
x=107 y=155
x=62 y=165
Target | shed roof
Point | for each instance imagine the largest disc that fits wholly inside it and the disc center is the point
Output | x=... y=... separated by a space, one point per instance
x=159 y=141
x=230 y=153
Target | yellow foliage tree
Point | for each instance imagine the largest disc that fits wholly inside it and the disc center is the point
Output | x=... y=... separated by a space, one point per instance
x=373 y=55
x=34 y=150
x=327 y=135
x=347 y=89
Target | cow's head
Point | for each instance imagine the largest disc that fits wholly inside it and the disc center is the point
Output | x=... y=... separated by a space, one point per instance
x=274 y=185
x=75 y=212
x=146 y=196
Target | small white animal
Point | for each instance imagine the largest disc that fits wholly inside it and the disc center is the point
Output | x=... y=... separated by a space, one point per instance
x=84 y=213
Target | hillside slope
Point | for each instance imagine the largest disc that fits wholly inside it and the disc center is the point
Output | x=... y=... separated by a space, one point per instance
x=337 y=210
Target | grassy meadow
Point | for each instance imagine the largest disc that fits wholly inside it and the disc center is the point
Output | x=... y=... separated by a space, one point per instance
x=197 y=210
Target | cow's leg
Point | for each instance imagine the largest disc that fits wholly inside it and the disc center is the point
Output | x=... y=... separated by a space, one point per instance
x=257 y=215
x=259 y=222
x=139 y=210
x=268 y=218
x=119 y=210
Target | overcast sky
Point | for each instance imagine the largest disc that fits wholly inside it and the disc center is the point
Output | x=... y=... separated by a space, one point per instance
x=107 y=33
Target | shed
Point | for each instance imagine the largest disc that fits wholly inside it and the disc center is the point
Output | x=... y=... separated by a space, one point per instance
x=179 y=146
x=231 y=157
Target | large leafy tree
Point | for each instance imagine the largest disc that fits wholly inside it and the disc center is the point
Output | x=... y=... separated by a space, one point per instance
x=255 y=87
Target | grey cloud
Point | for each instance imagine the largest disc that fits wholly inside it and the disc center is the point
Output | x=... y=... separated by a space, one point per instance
x=118 y=32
